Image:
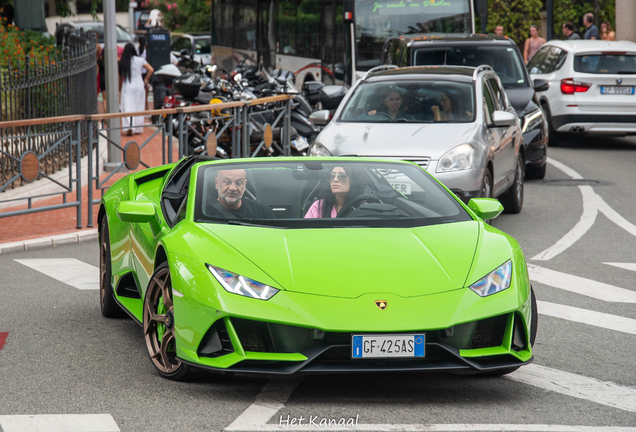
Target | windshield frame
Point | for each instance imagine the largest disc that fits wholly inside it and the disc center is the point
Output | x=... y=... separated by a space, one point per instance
x=314 y=165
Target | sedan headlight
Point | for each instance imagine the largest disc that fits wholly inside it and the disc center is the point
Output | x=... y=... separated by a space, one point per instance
x=237 y=284
x=318 y=149
x=458 y=159
x=532 y=120
x=496 y=281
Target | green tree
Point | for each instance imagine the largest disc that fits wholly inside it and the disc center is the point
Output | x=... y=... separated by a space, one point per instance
x=573 y=10
x=516 y=17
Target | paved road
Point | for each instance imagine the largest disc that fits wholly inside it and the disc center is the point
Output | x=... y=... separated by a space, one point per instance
x=62 y=359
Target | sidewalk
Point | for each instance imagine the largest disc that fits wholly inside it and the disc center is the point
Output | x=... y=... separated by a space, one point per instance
x=54 y=227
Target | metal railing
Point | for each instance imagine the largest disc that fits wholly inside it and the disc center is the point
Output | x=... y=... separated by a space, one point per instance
x=61 y=84
x=233 y=123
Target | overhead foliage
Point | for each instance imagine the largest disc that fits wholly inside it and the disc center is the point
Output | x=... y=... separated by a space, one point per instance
x=183 y=15
x=573 y=10
x=516 y=17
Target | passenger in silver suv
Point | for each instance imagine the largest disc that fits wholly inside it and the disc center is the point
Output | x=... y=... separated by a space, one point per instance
x=455 y=122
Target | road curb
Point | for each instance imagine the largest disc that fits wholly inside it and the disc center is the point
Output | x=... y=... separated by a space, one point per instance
x=44 y=242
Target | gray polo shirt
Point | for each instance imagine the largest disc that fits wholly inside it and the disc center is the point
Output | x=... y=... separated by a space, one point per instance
x=592 y=32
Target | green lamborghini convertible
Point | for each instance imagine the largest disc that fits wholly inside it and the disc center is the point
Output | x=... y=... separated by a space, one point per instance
x=312 y=265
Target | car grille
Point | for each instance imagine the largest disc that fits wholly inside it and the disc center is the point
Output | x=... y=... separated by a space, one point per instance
x=216 y=342
x=423 y=161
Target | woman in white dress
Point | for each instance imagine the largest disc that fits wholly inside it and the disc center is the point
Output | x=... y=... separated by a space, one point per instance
x=132 y=88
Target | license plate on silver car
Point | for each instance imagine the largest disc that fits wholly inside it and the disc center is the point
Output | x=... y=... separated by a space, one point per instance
x=618 y=90
x=388 y=346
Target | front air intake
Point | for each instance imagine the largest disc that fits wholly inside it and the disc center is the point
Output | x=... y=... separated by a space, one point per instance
x=216 y=341
x=489 y=332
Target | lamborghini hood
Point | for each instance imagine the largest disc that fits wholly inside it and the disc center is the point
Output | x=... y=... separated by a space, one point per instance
x=350 y=262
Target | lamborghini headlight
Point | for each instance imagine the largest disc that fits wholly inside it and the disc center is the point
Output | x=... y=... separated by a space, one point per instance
x=458 y=159
x=237 y=284
x=497 y=280
x=532 y=120
x=318 y=149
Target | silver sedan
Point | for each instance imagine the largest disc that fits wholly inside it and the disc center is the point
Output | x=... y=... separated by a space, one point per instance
x=455 y=122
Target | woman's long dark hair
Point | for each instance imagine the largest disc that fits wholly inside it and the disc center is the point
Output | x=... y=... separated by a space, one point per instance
x=142 y=45
x=355 y=188
x=126 y=61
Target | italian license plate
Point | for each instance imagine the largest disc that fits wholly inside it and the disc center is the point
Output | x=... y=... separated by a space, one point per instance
x=388 y=346
x=626 y=90
x=403 y=188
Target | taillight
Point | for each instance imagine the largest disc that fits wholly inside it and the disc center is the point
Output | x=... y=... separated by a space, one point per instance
x=569 y=86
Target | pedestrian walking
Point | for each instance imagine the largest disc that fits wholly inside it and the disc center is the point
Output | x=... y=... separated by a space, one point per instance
x=568 y=31
x=592 y=31
x=499 y=31
x=607 y=32
x=132 y=88
x=533 y=43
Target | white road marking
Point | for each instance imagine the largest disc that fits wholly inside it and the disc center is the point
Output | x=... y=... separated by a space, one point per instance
x=451 y=428
x=68 y=270
x=59 y=423
x=578 y=386
x=592 y=204
x=626 y=266
x=580 y=285
x=590 y=210
x=275 y=393
x=268 y=402
x=589 y=317
x=566 y=169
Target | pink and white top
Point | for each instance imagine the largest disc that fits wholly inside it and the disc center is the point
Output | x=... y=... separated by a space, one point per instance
x=315 y=211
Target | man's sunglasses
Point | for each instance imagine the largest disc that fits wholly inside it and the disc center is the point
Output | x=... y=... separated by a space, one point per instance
x=342 y=177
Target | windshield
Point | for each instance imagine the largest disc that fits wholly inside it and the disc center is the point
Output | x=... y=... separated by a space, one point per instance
x=202 y=45
x=504 y=60
x=615 y=63
x=411 y=102
x=316 y=194
x=377 y=21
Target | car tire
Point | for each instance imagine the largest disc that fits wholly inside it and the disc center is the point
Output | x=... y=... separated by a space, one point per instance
x=486 y=185
x=512 y=199
x=534 y=172
x=534 y=317
x=554 y=137
x=158 y=325
x=108 y=305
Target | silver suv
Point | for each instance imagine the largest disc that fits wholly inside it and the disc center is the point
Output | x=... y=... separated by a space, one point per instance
x=455 y=122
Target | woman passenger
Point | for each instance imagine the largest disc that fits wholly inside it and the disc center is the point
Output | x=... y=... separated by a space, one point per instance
x=344 y=185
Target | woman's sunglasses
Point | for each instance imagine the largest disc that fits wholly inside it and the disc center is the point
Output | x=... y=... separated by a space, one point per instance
x=342 y=177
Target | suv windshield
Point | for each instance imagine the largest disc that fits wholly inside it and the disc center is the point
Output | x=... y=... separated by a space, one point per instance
x=504 y=60
x=306 y=194
x=411 y=102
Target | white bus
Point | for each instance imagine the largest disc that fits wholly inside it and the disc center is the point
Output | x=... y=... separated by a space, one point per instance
x=333 y=41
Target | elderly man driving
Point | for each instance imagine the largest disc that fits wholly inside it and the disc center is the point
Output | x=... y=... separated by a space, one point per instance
x=230 y=203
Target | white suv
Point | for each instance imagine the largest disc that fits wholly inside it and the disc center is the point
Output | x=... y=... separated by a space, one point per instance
x=592 y=86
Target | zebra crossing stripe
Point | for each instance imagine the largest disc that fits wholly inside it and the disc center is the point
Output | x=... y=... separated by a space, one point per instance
x=58 y=423
x=71 y=271
x=589 y=317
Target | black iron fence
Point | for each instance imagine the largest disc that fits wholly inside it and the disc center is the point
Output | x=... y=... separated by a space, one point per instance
x=62 y=84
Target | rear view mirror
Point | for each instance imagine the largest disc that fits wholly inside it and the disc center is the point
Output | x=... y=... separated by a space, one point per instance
x=319 y=118
x=541 y=85
x=485 y=208
x=503 y=119
x=136 y=211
